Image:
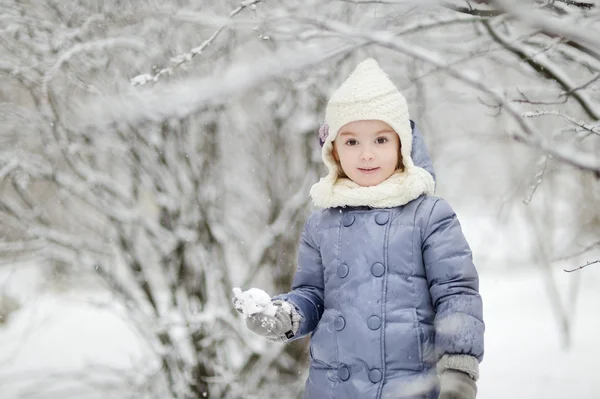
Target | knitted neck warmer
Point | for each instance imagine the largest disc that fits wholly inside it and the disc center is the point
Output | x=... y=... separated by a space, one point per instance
x=398 y=189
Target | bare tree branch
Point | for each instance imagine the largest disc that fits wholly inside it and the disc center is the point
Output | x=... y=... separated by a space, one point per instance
x=545 y=68
x=484 y=13
x=579 y=253
x=581 y=267
x=583 y=86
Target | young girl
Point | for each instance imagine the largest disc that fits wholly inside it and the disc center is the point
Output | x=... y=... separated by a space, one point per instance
x=385 y=283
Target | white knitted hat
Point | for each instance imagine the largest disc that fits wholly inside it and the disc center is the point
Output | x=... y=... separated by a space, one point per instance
x=368 y=94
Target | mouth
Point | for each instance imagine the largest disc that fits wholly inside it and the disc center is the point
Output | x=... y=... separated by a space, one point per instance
x=368 y=171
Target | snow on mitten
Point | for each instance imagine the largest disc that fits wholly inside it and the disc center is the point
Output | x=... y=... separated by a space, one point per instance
x=274 y=328
x=455 y=384
x=276 y=320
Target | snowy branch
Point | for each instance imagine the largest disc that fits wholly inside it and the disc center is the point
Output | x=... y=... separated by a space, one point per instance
x=529 y=134
x=183 y=58
x=542 y=164
x=182 y=98
x=583 y=125
x=90 y=46
x=549 y=24
x=542 y=64
x=581 y=4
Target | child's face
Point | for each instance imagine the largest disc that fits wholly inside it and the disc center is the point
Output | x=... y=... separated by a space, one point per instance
x=367 y=151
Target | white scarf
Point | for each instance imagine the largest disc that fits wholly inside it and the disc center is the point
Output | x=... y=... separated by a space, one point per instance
x=398 y=189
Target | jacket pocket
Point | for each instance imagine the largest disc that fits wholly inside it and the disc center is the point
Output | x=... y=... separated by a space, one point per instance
x=419 y=335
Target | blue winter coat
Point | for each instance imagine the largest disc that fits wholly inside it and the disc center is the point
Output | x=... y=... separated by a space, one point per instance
x=384 y=293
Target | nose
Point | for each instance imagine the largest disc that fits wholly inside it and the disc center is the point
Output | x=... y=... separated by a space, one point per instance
x=366 y=155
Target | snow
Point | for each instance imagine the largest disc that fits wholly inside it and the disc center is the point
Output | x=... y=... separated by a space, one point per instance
x=59 y=347
x=66 y=345
x=525 y=355
x=253 y=301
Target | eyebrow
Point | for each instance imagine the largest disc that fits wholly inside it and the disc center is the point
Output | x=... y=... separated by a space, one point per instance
x=349 y=133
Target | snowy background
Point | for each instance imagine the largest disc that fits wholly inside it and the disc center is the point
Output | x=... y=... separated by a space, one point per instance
x=78 y=344
x=154 y=155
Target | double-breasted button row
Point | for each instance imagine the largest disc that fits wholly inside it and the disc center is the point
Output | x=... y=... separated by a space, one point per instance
x=377 y=270
x=343 y=373
x=381 y=218
x=373 y=322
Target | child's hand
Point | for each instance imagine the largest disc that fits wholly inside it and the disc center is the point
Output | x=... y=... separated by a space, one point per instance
x=263 y=317
x=276 y=327
x=455 y=384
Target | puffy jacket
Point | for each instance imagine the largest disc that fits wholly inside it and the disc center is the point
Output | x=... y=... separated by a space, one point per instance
x=384 y=293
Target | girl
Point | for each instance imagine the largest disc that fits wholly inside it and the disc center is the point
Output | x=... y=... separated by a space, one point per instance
x=385 y=283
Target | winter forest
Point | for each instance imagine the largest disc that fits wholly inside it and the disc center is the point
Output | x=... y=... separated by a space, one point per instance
x=156 y=154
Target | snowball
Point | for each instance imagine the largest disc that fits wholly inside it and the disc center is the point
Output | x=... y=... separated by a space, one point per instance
x=254 y=301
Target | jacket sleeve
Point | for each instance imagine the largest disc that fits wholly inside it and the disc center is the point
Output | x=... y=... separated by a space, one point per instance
x=308 y=286
x=453 y=285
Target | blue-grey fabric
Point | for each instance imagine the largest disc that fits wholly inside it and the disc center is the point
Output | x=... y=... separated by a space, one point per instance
x=419 y=152
x=384 y=293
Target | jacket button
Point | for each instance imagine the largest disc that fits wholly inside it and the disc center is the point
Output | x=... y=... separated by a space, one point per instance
x=377 y=269
x=342 y=270
x=382 y=218
x=343 y=373
x=375 y=376
x=339 y=323
x=374 y=322
x=348 y=220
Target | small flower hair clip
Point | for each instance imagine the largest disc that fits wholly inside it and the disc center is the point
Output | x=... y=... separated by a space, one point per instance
x=323 y=133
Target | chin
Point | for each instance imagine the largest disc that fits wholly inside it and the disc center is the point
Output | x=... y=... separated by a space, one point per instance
x=369 y=183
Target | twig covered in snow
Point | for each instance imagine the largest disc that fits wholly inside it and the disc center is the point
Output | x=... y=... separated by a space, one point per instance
x=180 y=99
x=541 y=63
x=542 y=164
x=582 y=4
x=549 y=24
x=90 y=46
x=183 y=58
x=590 y=128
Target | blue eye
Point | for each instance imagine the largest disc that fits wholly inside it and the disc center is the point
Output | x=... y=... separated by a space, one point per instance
x=381 y=140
